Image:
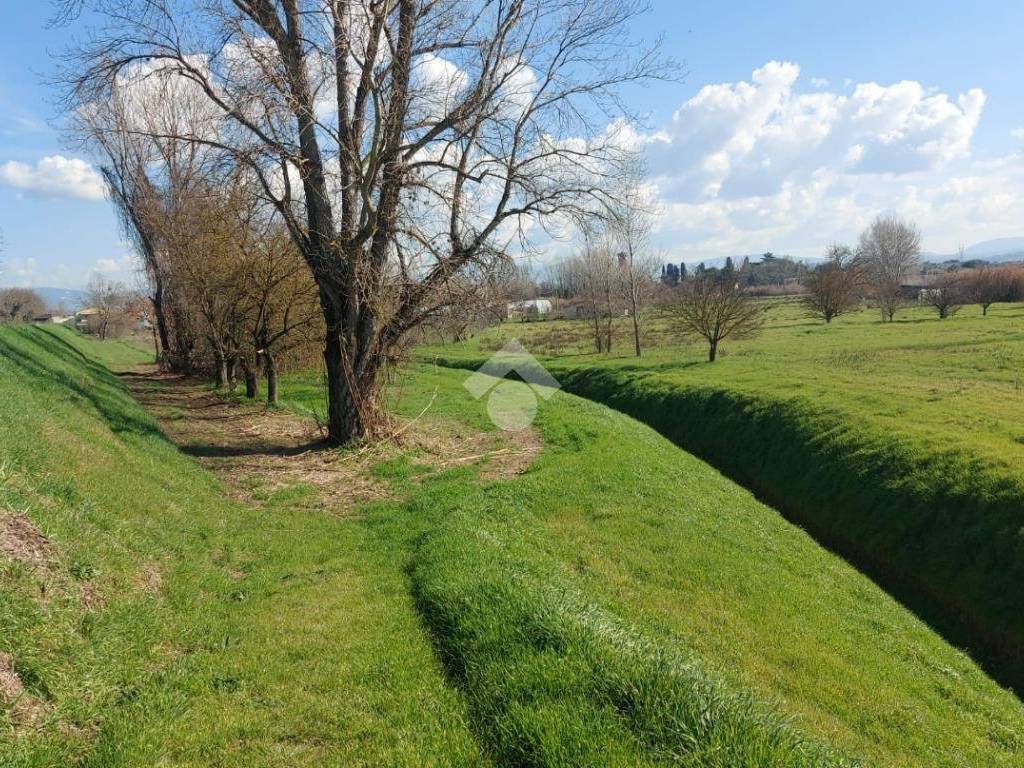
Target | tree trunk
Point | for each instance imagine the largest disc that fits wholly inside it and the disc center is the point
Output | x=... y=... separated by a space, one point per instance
x=233 y=373
x=271 y=369
x=598 y=341
x=636 y=329
x=713 y=351
x=156 y=346
x=252 y=379
x=161 y=324
x=345 y=422
x=222 y=372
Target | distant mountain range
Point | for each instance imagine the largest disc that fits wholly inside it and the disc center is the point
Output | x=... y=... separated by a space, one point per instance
x=1001 y=249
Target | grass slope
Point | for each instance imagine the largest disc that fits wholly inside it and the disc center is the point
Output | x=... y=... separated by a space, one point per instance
x=620 y=604
x=590 y=607
x=899 y=445
x=225 y=635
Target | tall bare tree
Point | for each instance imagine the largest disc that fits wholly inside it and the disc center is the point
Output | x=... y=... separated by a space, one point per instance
x=148 y=181
x=890 y=251
x=401 y=141
x=114 y=303
x=597 y=278
x=630 y=224
x=714 y=310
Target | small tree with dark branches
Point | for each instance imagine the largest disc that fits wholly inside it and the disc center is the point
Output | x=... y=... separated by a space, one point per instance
x=832 y=286
x=714 y=311
x=946 y=294
x=986 y=286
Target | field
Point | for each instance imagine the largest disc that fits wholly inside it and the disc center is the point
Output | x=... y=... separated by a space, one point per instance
x=958 y=383
x=582 y=594
x=899 y=445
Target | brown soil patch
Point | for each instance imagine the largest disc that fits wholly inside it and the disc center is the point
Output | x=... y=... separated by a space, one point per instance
x=22 y=541
x=258 y=451
x=90 y=596
x=151 y=578
x=25 y=710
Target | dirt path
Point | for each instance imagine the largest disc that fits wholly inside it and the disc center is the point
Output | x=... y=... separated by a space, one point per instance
x=258 y=451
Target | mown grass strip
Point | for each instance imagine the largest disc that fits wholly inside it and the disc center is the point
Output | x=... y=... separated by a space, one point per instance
x=554 y=680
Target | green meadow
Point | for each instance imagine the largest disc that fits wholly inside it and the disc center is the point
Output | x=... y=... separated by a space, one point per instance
x=899 y=445
x=619 y=603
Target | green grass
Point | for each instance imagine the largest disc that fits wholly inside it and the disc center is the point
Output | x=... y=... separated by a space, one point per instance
x=278 y=635
x=564 y=604
x=619 y=604
x=899 y=445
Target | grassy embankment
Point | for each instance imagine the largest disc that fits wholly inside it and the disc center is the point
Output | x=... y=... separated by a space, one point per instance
x=534 y=590
x=900 y=445
x=214 y=633
x=589 y=612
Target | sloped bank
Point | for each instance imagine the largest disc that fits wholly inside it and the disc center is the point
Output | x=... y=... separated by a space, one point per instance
x=551 y=678
x=941 y=531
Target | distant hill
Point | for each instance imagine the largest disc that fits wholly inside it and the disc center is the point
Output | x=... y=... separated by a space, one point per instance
x=1003 y=249
x=66 y=298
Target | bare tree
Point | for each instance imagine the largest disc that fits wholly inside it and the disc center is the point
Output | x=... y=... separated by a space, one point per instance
x=832 y=287
x=890 y=251
x=18 y=305
x=148 y=180
x=279 y=302
x=630 y=221
x=987 y=285
x=597 y=277
x=400 y=141
x=946 y=293
x=113 y=302
x=714 y=310
x=480 y=298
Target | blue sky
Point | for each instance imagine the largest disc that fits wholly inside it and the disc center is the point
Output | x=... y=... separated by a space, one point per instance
x=795 y=124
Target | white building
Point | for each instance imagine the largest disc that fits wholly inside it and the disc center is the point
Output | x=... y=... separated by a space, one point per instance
x=531 y=309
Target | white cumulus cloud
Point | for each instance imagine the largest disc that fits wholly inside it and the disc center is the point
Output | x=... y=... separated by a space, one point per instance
x=764 y=164
x=54 y=176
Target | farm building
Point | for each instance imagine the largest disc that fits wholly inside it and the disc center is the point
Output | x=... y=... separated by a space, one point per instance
x=88 y=320
x=51 y=319
x=531 y=309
